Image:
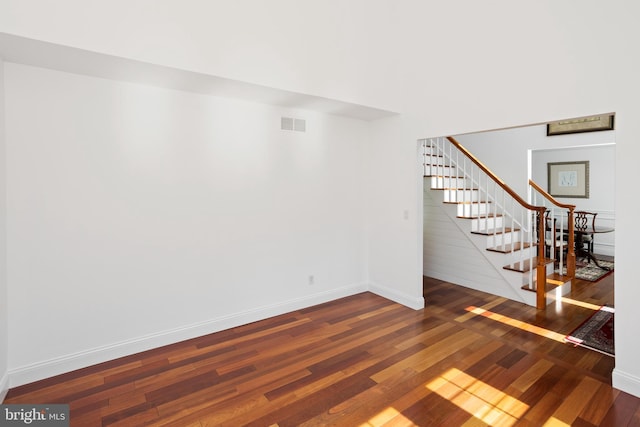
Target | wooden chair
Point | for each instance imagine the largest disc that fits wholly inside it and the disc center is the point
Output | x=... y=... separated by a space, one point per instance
x=553 y=244
x=584 y=228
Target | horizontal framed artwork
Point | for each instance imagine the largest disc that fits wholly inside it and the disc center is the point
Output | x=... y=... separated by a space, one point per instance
x=568 y=179
x=586 y=124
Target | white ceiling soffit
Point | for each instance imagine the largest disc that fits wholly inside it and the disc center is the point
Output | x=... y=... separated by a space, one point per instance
x=73 y=60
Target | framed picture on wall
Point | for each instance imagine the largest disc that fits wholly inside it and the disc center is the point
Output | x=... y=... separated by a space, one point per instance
x=568 y=179
x=585 y=124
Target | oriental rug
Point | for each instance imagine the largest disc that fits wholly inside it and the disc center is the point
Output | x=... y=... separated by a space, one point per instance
x=595 y=333
x=591 y=272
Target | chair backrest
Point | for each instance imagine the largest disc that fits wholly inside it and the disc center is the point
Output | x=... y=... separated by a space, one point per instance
x=550 y=225
x=585 y=220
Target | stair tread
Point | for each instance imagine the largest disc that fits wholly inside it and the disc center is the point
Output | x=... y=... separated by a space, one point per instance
x=483 y=216
x=468 y=203
x=548 y=286
x=517 y=246
x=454 y=189
x=552 y=282
x=495 y=231
x=524 y=266
x=560 y=278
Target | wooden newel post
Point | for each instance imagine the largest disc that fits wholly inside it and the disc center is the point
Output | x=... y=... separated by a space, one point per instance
x=571 y=250
x=541 y=274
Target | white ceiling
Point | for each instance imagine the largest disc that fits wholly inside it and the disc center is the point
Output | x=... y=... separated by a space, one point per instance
x=73 y=60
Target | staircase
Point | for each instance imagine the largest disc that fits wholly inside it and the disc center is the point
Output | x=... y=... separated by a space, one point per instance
x=481 y=234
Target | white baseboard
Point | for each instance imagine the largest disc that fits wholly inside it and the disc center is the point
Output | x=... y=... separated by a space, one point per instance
x=71 y=362
x=626 y=382
x=604 y=249
x=4 y=386
x=399 y=297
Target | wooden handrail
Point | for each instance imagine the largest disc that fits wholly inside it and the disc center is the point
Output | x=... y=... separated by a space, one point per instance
x=541 y=276
x=549 y=197
x=493 y=176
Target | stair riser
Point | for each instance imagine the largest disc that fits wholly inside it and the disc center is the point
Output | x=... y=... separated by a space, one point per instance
x=502 y=239
x=525 y=276
x=480 y=224
x=430 y=170
x=432 y=157
x=468 y=210
x=461 y=196
x=512 y=257
x=558 y=293
x=512 y=277
x=448 y=182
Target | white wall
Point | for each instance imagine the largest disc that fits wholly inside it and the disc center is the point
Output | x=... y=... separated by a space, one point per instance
x=493 y=66
x=394 y=212
x=4 y=327
x=138 y=216
x=489 y=67
x=279 y=44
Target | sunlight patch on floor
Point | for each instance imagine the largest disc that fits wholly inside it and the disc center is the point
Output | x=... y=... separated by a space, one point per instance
x=580 y=303
x=516 y=323
x=387 y=415
x=554 y=422
x=484 y=402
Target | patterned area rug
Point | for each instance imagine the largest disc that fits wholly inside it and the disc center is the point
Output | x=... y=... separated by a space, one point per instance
x=591 y=272
x=595 y=333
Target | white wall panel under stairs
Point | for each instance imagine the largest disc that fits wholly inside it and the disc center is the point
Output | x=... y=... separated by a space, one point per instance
x=452 y=253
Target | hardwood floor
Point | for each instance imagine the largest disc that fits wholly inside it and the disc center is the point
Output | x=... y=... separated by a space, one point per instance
x=364 y=360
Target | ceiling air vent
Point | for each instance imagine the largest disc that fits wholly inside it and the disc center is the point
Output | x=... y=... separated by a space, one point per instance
x=289 y=123
x=300 y=125
x=286 y=123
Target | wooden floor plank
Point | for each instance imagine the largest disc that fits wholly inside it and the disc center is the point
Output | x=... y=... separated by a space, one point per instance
x=576 y=400
x=468 y=358
x=599 y=404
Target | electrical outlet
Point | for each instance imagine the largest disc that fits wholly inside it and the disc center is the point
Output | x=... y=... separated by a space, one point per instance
x=312 y=280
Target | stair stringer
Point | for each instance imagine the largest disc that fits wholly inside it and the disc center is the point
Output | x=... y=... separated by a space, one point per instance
x=453 y=254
